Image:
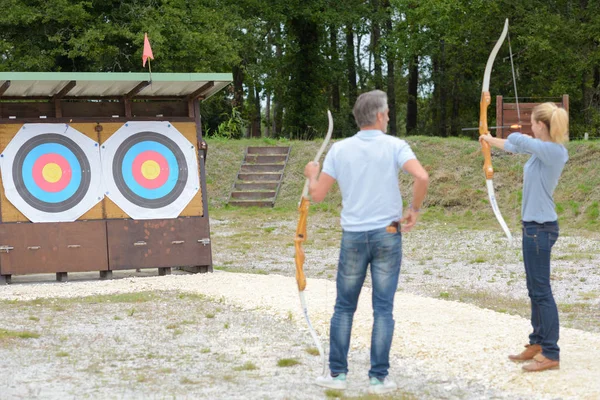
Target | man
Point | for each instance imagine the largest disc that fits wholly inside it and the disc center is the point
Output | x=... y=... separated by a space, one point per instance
x=366 y=168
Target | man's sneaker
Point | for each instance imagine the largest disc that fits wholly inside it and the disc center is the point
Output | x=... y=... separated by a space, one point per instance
x=378 y=386
x=338 y=382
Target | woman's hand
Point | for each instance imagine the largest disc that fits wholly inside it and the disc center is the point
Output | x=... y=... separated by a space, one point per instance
x=485 y=138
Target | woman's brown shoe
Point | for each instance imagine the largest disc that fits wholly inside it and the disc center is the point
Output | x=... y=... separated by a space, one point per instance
x=530 y=351
x=541 y=363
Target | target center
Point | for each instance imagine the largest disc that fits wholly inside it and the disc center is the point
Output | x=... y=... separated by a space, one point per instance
x=52 y=172
x=150 y=169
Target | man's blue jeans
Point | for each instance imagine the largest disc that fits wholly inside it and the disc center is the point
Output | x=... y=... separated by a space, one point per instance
x=538 y=240
x=383 y=251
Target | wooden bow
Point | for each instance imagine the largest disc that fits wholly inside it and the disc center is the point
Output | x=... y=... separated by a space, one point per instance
x=483 y=130
x=301 y=238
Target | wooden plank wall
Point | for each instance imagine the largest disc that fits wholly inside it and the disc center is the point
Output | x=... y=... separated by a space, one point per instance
x=507 y=114
x=106 y=209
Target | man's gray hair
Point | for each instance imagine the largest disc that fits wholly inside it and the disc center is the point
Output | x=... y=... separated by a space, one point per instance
x=368 y=105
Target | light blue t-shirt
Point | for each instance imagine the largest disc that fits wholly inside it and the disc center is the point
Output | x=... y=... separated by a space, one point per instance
x=540 y=175
x=366 y=168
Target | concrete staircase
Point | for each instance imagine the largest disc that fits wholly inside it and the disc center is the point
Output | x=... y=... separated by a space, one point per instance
x=259 y=177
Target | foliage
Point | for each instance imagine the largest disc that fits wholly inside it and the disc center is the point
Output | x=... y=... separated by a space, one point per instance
x=233 y=127
x=308 y=56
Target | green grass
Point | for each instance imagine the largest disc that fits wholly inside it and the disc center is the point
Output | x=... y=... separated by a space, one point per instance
x=8 y=334
x=313 y=351
x=139 y=297
x=457 y=192
x=248 y=366
x=578 y=315
x=287 y=362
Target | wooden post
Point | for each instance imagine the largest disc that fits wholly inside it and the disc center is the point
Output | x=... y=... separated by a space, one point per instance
x=499 y=116
x=565 y=102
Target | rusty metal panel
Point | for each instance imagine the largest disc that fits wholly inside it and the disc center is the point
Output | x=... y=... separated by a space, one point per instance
x=178 y=242
x=28 y=248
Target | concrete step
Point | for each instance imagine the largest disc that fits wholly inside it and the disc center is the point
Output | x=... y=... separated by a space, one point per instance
x=251 y=203
x=265 y=159
x=268 y=150
x=262 y=168
x=254 y=195
x=255 y=186
x=262 y=177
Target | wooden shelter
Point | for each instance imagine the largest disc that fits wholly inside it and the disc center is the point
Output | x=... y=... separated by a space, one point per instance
x=98 y=107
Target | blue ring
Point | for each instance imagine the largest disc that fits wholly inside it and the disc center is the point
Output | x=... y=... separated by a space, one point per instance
x=34 y=189
x=127 y=170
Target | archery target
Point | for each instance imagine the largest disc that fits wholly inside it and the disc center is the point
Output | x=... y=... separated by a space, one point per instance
x=51 y=172
x=150 y=170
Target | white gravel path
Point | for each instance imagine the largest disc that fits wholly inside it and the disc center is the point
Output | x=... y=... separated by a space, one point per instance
x=447 y=341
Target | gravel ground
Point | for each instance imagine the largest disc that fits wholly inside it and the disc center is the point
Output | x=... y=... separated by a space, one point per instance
x=222 y=335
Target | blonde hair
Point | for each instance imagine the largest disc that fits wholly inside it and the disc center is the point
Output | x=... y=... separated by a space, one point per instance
x=556 y=120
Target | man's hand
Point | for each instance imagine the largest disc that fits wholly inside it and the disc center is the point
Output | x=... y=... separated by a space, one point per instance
x=409 y=220
x=311 y=171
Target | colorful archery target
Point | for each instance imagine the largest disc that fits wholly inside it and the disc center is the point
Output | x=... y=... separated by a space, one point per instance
x=51 y=172
x=150 y=170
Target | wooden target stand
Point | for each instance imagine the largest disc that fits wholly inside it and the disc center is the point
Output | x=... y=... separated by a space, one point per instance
x=105 y=239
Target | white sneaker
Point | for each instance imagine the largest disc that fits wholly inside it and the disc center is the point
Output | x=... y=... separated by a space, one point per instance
x=339 y=382
x=377 y=386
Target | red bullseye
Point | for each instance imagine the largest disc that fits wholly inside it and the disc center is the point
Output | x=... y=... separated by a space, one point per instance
x=150 y=169
x=51 y=172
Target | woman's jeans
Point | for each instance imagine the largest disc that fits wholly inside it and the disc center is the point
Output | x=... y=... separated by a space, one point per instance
x=538 y=240
x=383 y=251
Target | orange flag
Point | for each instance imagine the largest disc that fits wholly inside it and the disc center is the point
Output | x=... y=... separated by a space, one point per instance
x=147 y=50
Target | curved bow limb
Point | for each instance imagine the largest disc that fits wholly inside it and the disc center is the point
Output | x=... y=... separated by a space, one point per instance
x=301 y=235
x=486 y=100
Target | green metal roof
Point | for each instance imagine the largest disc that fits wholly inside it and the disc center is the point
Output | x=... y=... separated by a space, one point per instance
x=110 y=84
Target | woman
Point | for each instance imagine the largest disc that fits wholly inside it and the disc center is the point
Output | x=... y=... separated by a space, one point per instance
x=540 y=227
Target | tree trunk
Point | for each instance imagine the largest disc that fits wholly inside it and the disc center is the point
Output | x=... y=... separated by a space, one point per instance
x=455 y=120
x=376 y=45
x=335 y=57
x=238 y=86
x=268 y=115
x=254 y=110
x=443 y=95
x=351 y=69
x=390 y=56
x=278 y=90
x=411 y=104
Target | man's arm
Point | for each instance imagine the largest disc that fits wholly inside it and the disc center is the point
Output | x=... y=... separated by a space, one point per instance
x=421 y=182
x=318 y=185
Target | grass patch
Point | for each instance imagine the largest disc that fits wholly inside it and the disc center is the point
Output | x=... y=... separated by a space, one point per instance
x=187 y=381
x=165 y=370
x=248 y=366
x=333 y=394
x=313 y=351
x=62 y=354
x=287 y=362
x=257 y=271
x=8 y=334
